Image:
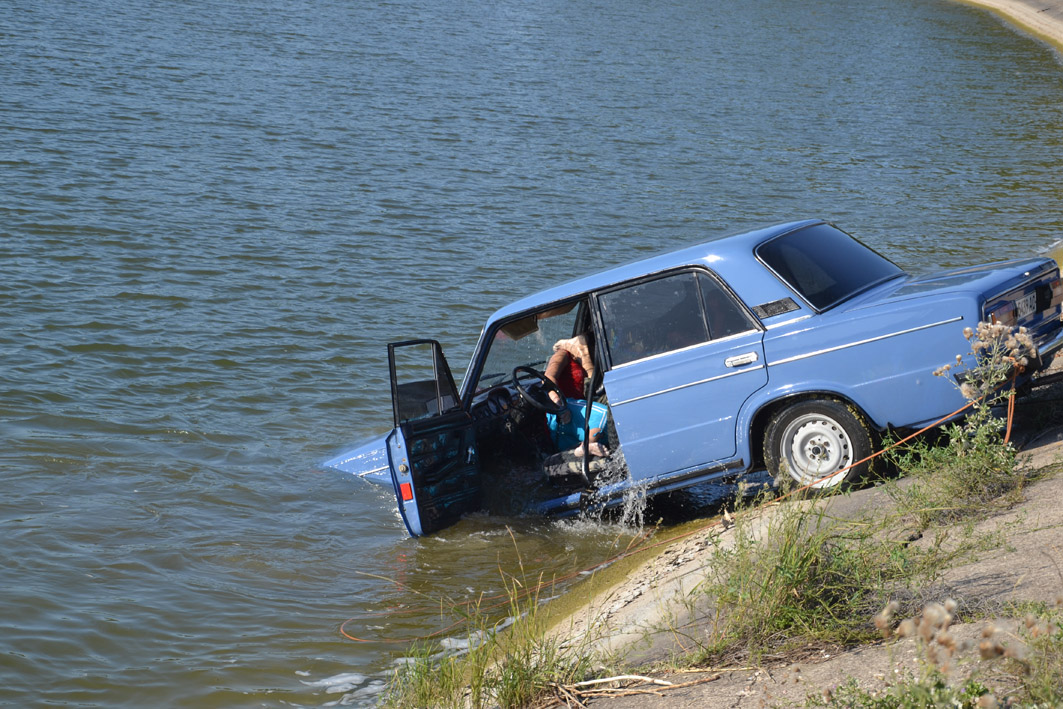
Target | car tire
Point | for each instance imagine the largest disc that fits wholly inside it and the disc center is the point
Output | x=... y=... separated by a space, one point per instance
x=806 y=442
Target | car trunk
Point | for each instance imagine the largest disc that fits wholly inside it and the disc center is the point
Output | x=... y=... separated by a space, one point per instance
x=1018 y=293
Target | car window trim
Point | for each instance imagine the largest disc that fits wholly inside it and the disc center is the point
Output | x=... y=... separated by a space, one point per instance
x=487 y=336
x=604 y=353
x=836 y=303
x=750 y=314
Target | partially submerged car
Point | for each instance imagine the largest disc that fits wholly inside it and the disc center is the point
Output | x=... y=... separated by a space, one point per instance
x=788 y=348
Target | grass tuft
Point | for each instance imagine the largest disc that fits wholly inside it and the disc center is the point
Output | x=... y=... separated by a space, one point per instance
x=805 y=578
x=509 y=663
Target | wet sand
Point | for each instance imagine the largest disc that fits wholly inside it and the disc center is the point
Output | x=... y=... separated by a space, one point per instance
x=1041 y=18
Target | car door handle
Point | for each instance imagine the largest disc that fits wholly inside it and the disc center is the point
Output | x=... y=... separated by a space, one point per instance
x=741 y=360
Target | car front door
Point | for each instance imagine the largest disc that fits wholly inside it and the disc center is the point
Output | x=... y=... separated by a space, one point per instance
x=684 y=354
x=432 y=450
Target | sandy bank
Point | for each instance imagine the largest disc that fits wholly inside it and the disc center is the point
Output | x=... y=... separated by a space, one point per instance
x=1041 y=18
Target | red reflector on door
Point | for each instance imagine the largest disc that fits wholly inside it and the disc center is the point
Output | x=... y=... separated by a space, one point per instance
x=406 y=491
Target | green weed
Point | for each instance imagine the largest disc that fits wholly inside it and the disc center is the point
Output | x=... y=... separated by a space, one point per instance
x=805 y=578
x=932 y=691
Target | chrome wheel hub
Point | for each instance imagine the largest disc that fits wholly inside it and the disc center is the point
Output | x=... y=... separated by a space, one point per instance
x=814 y=446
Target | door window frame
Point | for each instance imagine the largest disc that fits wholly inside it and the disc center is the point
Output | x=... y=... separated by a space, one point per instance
x=605 y=354
x=438 y=358
x=479 y=359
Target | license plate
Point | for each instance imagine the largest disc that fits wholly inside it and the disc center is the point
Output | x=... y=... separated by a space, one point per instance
x=1025 y=305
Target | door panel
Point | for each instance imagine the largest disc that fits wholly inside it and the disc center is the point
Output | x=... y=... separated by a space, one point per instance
x=436 y=471
x=679 y=410
x=432 y=451
x=684 y=355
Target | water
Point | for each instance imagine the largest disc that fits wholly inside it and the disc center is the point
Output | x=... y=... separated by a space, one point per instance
x=215 y=214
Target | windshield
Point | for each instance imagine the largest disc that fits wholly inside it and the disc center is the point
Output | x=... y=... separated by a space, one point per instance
x=825 y=265
x=527 y=342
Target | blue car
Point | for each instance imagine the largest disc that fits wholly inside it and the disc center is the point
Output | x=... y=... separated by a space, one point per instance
x=788 y=348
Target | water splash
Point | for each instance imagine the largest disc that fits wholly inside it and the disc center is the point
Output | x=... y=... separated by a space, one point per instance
x=630 y=511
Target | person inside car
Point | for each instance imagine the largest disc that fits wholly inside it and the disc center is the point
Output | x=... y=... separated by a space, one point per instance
x=571 y=367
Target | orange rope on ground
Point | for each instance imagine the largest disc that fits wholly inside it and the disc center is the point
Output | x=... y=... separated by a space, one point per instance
x=957 y=412
x=1011 y=414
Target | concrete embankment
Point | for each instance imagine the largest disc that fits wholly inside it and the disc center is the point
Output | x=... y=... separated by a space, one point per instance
x=1041 y=18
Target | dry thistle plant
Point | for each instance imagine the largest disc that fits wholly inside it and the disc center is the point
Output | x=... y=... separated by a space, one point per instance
x=999 y=351
x=1027 y=672
x=939 y=646
x=882 y=618
x=931 y=627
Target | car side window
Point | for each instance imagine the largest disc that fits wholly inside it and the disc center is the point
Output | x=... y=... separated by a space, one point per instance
x=653 y=317
x=726 y=317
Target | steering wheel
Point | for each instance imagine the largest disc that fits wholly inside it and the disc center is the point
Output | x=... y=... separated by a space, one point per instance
x=539 y=396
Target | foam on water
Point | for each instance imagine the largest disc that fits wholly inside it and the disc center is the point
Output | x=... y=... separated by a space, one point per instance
x=366 y=696
x=338 y=683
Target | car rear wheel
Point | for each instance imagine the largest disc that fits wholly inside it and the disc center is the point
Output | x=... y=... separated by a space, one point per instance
x=806 y=443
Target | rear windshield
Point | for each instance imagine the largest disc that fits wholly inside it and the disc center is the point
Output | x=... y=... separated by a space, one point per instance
x=825 y=265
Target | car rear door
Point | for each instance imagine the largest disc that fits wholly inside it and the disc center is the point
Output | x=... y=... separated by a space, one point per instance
x=432 y=450
x=684 y=355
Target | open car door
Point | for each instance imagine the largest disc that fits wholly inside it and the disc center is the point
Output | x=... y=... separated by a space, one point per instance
x=432 y=450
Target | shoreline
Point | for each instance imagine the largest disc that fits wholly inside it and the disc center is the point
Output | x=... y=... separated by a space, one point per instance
x=1041 y=19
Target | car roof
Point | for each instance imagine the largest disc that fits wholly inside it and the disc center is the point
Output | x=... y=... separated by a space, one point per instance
x=725 y=254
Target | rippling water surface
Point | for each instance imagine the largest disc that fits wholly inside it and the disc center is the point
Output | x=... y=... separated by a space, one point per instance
x=213 y=216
